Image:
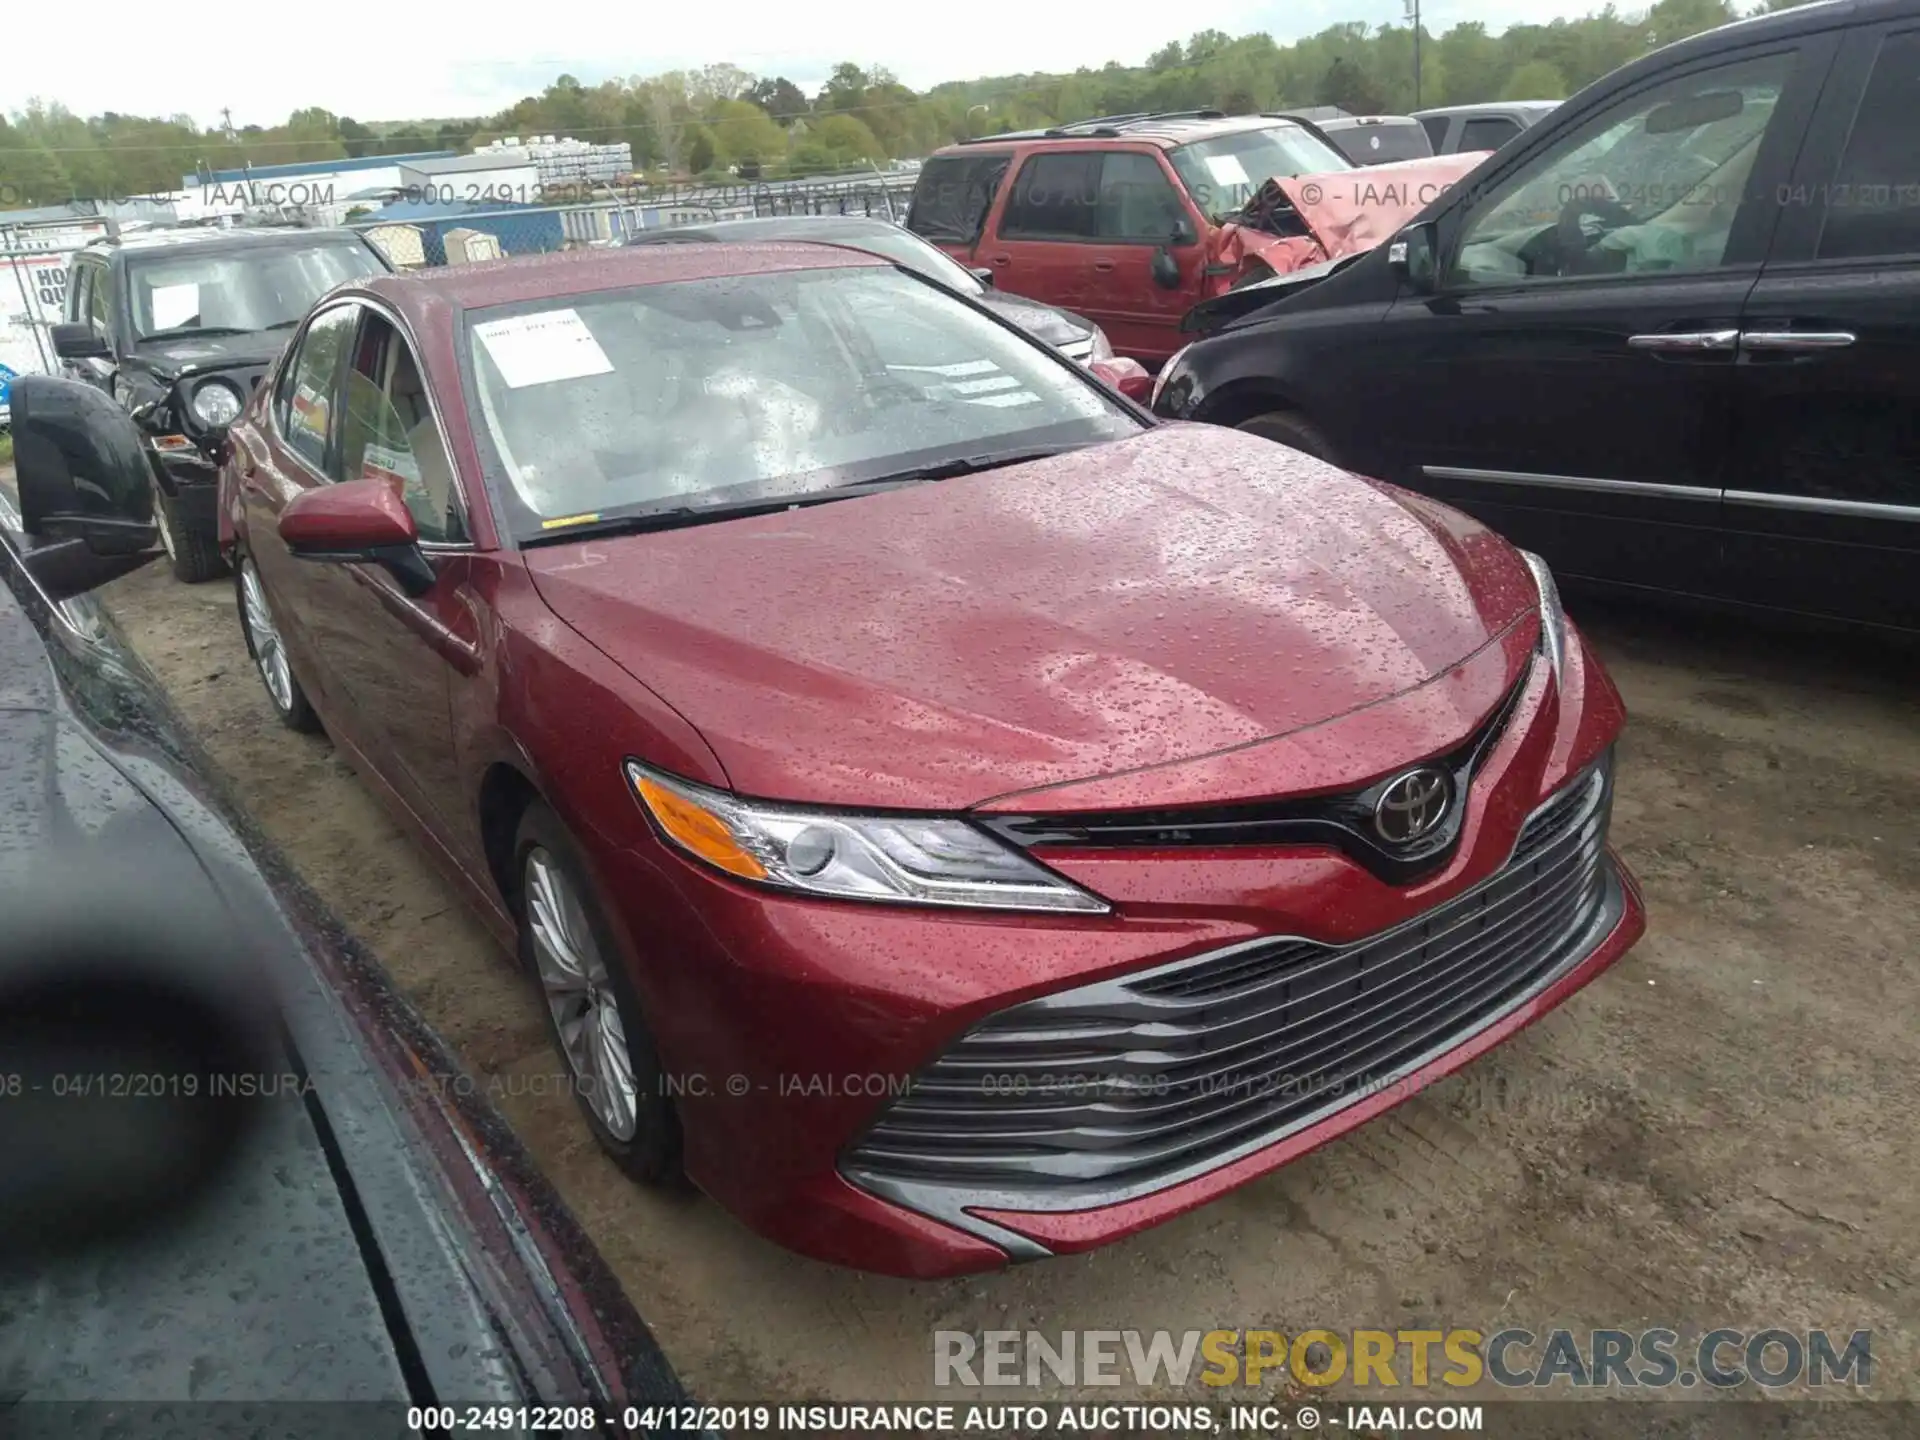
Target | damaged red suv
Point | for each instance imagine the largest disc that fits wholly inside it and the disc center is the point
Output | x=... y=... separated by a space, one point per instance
x=954 y=817
x=1132 y=220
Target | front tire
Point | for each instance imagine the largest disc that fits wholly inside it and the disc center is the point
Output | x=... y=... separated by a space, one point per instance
x=593 y=1017
x=1291 y=429
x=193 y=555
x=268 y=650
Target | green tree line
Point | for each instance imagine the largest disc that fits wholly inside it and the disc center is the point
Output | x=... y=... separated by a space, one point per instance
x=723 y=119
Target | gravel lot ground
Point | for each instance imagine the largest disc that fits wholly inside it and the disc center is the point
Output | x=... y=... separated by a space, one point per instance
x=1719 y=1132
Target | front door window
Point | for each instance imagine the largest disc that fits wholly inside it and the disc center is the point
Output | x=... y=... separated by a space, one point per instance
x=1652 y=184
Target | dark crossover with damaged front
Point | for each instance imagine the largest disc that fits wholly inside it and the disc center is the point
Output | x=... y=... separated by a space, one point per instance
x=178 y=326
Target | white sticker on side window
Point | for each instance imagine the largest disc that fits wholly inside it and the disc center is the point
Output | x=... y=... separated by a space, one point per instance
x=1227 y=170
x=539 y=349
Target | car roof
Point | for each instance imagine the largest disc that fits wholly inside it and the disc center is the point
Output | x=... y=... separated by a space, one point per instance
x=783 y=227
x=238 y=237
x=1356 y=122
x=587 y=272
x=1166 y=131
x=1488 y=107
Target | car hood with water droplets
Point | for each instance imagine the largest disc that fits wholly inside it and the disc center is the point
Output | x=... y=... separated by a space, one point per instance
x=1124 y=606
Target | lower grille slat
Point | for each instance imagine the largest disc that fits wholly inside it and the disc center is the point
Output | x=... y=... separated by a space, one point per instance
x=1155 y=1074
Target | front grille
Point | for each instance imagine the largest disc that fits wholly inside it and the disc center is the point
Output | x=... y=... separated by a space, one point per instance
x=1139 y=1081
x=1342 y=820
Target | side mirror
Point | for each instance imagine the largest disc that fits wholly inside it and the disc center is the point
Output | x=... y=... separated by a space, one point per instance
x=80 y=342
x=1410 y=255
x=1127 y=376
x=1165 y=269
x=85 y=484
x=984 y=274
x=358 y=522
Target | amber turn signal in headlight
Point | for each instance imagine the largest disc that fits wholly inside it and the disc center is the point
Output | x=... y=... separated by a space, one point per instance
x=905 y=859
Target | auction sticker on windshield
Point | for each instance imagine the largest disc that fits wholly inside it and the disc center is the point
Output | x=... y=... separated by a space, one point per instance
x=539 y=349
x=1227 y=170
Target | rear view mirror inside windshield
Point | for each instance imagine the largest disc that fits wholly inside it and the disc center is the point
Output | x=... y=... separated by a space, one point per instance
x=1695 y=111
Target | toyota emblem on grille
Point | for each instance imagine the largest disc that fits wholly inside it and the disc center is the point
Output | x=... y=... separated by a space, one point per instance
x=1413 y=805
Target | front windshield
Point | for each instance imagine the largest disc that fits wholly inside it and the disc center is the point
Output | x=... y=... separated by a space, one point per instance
x=787 y=384
x=1223 y=173
x=262 y=287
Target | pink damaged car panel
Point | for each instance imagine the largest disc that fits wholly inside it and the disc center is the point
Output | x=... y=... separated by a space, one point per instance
x=1344 y=211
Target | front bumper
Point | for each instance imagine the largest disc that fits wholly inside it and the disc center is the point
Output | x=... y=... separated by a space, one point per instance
x=183 y=470
x=790 y=1028
x=193 y=491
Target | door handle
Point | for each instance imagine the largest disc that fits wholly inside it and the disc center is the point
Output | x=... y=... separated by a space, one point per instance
x=1001 y=259
x=1690 y=342
x=1103 y=266
x=1797 y=339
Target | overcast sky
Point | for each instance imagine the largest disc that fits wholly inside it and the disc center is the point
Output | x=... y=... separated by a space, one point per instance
x=379 y=60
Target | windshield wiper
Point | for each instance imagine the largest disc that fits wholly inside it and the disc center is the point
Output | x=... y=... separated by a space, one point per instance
x=640 y=522
x=679 y=517
x=960 y=465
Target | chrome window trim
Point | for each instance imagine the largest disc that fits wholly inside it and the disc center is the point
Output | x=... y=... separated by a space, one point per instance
x=1572 y=482
x=1820 y=505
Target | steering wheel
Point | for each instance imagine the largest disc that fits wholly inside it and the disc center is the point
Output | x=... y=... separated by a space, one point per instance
x=1573 y=242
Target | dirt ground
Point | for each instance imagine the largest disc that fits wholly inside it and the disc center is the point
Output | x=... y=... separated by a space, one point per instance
x=1719 y=1132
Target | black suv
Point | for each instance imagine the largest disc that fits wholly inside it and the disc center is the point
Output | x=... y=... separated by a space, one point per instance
x=178 y=326
x=1669 y=338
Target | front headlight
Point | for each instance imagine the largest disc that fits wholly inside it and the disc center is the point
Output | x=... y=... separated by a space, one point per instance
x=905 y=859
x=1166 y=372
x=1099 y=347
x=1553 y=619
x=216 y=404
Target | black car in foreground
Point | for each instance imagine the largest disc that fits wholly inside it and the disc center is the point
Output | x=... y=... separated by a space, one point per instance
x=178 y=326
x=238 y=1166
x=1669 y=338
x=1074 y=336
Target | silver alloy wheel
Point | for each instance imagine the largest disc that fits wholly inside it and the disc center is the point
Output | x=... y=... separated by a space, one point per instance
x=268 y=652
x=164 y=525
x=586 y=1016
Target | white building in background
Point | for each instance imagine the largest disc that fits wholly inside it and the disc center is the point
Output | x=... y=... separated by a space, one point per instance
x=505 y=177
x=567 y=165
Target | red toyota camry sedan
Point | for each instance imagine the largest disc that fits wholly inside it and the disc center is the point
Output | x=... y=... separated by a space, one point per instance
x=952 y=816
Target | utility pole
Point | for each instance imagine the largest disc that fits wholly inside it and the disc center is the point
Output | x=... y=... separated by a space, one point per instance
x=226 y=121
x=1413 y=14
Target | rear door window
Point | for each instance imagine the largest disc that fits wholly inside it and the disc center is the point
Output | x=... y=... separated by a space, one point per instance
x=953 y=195
x=1436 y=128
x=1055 y=197
x=1873 y=206
x=1487 y=132
x=1381 y=144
